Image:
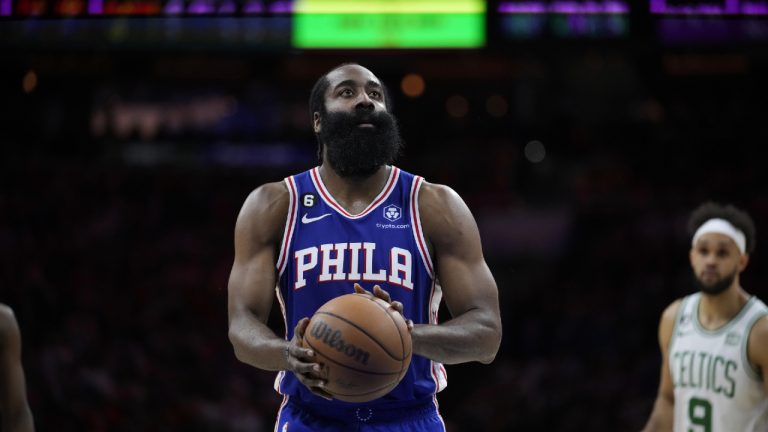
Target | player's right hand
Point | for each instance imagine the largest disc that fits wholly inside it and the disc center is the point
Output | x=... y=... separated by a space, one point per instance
x=301 y=361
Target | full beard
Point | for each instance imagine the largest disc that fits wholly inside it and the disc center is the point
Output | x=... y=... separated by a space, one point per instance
x=717 y=287
x=355 y=151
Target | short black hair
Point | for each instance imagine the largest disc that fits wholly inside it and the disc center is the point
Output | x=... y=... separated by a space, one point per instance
x=317 y=101
x=737 y=217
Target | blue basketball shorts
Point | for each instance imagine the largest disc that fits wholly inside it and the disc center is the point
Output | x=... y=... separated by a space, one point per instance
x=296 y=416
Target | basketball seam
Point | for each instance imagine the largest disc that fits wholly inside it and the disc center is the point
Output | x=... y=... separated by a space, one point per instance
x=349 y=367
x=402 y=342
x=368 y=334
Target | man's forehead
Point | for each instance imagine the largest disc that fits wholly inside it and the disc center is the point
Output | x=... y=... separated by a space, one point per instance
x=713 y=238
x=355 y=73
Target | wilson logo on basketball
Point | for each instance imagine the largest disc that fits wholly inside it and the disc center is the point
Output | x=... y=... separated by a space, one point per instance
x=332 y=338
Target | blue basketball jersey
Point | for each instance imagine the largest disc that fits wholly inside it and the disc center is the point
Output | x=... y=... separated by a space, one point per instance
x=325 y=250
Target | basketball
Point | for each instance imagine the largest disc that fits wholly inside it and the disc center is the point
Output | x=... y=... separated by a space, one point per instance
x=363 y=345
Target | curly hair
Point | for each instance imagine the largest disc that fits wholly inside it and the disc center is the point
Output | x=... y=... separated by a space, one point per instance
x=317 y=101
x=737 y=217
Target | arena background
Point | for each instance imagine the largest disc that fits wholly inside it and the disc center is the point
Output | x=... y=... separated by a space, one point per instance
x=580 y=134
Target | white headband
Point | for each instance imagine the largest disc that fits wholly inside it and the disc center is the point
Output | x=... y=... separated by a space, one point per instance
x=722 y=226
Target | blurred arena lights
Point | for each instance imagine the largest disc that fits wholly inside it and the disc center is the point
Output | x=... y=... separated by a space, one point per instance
x=412 y=85
x=457 y=106
x=496 y=105
x=535 y=151
x=565 y=7
x=29 y=83
x=564 y=19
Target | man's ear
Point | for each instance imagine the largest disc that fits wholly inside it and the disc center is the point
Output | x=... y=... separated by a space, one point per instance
x=743 y=261
x=316 y=122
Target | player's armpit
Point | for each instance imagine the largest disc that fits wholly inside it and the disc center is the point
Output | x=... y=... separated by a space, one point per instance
x=469 y=290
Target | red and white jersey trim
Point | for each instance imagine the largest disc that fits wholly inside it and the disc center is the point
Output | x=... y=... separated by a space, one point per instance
x=281 y=374
x=279 y=411
x=418 y=232
x=439 y=374
x=394 y=174
x=290 y=222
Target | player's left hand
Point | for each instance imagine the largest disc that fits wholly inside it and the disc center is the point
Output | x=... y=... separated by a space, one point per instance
x=380 y=293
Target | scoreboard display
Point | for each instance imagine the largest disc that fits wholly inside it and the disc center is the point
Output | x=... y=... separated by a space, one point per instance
x=561 y=19
x=368 y=24
x=709 y=7
x=310 y=23
x=145 y=8
x=389 y=24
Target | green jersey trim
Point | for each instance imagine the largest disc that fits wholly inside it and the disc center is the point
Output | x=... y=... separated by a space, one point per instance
x=723 y=328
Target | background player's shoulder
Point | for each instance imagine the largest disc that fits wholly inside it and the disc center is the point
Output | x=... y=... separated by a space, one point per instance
x=760 y=328
x=670 y=312
x=6 y=315
x=8 y=323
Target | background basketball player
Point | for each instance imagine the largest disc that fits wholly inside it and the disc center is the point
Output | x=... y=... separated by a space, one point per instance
x=14 y=410
x=714 y=343
x=355 y=218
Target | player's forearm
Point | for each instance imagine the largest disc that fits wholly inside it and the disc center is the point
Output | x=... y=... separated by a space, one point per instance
x=257 y=345
x=472 y=336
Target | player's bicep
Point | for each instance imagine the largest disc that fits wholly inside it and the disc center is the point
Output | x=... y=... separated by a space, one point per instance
x=257 y=232
x=251 y=285
x=466 y=284
x=465 y=278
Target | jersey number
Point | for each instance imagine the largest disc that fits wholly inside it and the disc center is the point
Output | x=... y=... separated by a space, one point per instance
x=700 y=414
x=308 y=200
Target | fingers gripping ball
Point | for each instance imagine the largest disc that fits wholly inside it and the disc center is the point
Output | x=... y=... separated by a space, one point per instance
x=363 y=344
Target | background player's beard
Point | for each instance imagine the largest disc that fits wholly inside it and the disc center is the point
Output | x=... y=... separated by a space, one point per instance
x=716 y=288
x=353 y=151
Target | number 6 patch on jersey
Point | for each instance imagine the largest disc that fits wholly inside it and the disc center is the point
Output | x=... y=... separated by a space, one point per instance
x=308 y=199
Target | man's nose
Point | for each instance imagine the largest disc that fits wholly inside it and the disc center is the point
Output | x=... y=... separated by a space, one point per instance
x=364 y=100
x=710 y=260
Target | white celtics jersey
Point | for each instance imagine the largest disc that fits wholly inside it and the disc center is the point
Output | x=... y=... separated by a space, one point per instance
x=716 y=388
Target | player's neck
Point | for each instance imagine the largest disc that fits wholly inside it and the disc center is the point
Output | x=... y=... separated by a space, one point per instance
x=717 y=310
x=350 y=190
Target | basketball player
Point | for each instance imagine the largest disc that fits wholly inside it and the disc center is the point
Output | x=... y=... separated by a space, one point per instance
x=14 y=410
x=358 y=219
x=714 y=343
